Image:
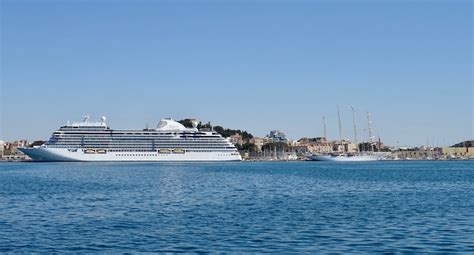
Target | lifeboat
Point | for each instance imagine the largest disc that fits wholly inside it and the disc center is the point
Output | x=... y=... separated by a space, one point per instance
x=178 y=151
x=164 y=151
x=89 y=151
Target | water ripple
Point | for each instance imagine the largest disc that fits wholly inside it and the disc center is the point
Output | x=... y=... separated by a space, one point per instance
x=308 y=207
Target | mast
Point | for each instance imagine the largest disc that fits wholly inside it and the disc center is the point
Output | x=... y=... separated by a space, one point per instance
x=325 y=133
x=340 y=128
x=355 y=128
x=370 y=130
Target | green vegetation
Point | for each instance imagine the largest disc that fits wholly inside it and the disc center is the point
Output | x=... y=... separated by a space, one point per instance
x=250 y=147
x=187 y=123
x=464 y=144
x=37 y=143
x=225 y=132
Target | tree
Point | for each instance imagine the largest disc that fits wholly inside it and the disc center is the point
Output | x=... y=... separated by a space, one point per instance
x=225 y=132
x=464 y=144
x=37 y=143
x=250 y=147
x=186 y=122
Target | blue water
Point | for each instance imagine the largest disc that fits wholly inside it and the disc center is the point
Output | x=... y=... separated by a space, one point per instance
x=237 y=207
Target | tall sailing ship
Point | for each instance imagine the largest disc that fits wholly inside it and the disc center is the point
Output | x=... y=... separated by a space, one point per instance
x=348 y=157
x=169 y=141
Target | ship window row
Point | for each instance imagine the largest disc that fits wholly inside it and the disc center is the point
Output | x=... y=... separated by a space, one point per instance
x=124 y=139
x=108 y=132
x=137 y=134
x=155 y=150
x=139 y=142
x=137 y=146
x=207 y=151
x=193 y=150
x=135 y=155
x=125 y=135
x=136 y=143
x=143 y=149
x=137 y=138
x=84 y=128
x=157 y=133
x=156 y=155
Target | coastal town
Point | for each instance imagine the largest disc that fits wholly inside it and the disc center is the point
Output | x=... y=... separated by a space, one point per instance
x=277 y=147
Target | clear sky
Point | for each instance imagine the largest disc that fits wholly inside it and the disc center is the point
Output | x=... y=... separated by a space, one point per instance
x=253 y=65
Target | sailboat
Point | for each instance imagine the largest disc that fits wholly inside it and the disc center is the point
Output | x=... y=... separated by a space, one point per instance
x=347 y=157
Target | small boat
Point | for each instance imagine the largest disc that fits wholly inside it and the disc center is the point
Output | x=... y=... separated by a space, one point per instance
x=164 y=151
x=89 y=151
x=178 y=151
x=101 y=151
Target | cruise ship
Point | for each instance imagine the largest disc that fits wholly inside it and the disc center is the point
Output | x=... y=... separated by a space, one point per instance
x=169 y=141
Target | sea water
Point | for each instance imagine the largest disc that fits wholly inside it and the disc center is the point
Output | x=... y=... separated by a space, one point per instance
x=237 y=207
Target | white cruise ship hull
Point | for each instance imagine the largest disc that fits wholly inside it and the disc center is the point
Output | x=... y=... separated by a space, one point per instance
x=64 y=155
x=355 y=158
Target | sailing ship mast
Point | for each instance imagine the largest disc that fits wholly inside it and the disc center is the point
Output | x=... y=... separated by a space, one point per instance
x=325 y=133
x=340 y=128
x=355 y=128
x=370 y=130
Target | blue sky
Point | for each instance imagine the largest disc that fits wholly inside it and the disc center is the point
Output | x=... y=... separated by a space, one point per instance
x=253 y=65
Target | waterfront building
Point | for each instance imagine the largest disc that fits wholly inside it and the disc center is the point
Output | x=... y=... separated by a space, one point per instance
x=236 y=139
x=257 y=141
x=458 y=152
x=417 y=154
x=260 y=141
x=10 y=148
x=277 y=136
x=319 y=148
x=345 y=147
x=267 y=140
x=312 y=141
x=314 y=145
